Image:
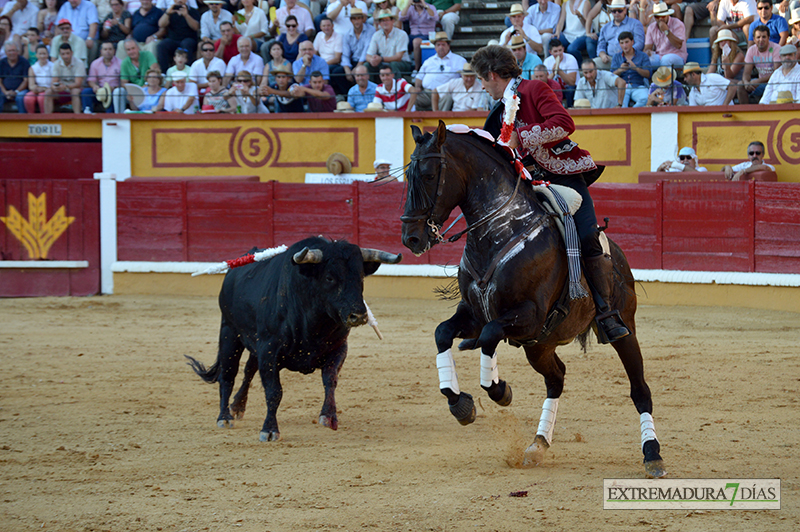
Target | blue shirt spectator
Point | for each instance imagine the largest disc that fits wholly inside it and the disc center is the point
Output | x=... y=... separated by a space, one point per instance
x=631 y=77
x=13 y=77
x=546 y=20
x=776 y=25
x=290 y=51
x=143 y=26
x=81 y=14
x=609 y=42
x=354 y=49
x=360 y=101
x=317 y=63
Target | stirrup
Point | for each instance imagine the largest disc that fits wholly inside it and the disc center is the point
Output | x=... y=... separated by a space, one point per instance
x=610 y=327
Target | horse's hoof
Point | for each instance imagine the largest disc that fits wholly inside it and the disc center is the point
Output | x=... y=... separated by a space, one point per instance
x=330 y=422
x=272 y=435
x=464 y=409
x=503 y=394
x=534 y=455
x=237 y=411
x=225 y=423
x=655 y=469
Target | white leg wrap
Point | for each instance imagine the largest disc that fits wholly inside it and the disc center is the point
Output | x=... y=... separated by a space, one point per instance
x=489 y=370
x=447 y=371
x=648 y=428
x=548 y=420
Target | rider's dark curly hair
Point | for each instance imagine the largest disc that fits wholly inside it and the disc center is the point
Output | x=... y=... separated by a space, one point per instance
x=497 y=59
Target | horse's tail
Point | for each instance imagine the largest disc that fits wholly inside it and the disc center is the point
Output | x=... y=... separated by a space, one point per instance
x=583 y=339
x=209 y=375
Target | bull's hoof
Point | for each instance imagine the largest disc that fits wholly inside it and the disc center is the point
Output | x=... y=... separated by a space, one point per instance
x=501 y=394
x=225 y=423
x=534 y=455
x=272 y=435
x=464 y=409
x=655 y=469
x=328 y=421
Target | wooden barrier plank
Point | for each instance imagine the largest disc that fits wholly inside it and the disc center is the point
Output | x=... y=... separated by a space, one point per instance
x=634 y=221
x=777 y=227
x=85 y=202
x=151 y=223
x=304 y=210
x=379 y=211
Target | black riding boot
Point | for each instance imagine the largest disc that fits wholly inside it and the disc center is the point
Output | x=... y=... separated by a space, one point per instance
x=599 y=272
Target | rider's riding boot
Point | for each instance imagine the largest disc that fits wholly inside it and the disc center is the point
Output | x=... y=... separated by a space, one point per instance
x=599 y=272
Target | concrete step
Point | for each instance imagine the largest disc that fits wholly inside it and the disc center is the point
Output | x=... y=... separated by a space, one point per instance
x=481 y=30
x=487 y=18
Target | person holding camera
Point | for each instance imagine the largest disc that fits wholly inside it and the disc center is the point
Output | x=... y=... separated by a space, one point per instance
x=182 y=23
x=422 y=19
x=632 y=66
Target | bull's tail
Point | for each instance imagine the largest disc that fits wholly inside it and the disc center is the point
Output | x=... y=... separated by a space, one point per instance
x=209 y=375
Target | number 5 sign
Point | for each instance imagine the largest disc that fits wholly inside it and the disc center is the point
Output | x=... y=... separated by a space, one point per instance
x=254 y=147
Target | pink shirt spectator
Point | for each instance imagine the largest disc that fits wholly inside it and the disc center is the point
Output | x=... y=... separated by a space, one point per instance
x=102 y=74
x=420 y=22
x=661 y=44
x=302 y=14
x=766 y=62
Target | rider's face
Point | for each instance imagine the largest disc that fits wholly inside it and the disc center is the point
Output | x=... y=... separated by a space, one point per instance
x=494 y=85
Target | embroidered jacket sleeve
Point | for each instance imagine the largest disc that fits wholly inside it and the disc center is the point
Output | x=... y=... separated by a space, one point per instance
x=541 y=119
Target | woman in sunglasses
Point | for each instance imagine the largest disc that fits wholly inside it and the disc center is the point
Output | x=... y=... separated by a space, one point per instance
x=242 y=94
x=687 y=162
x=291 y=39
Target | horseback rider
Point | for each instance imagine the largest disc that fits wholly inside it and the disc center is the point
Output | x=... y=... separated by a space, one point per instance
x=540 y=136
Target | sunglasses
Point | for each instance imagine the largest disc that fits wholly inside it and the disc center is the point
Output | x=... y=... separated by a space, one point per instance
x=208 y=49
x=761 y=8
x=617 y=10
x=751 y=153
x=243 y=80
x=291 y=25
x=685 y=157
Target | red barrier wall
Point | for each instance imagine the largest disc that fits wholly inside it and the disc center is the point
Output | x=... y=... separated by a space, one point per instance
x=80 y=240
x=51 y=159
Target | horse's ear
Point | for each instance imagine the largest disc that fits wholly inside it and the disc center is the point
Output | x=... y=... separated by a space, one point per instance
x=416 y=133
x=441 y=134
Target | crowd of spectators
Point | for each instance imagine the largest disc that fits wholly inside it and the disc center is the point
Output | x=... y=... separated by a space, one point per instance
x=250 y=56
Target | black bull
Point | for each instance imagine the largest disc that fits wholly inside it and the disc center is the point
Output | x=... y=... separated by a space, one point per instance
x=293 y=311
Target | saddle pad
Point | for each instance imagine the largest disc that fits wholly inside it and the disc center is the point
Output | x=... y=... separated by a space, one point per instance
x=571 y=197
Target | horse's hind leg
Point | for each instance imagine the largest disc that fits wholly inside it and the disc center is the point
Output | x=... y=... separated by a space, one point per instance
x=631 y=356
x=240 y=399
x=544 y=360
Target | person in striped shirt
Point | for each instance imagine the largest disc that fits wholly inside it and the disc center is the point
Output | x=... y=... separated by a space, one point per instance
x=394 y=94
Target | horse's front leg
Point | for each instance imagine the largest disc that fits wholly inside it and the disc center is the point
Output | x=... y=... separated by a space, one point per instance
x=462 y=325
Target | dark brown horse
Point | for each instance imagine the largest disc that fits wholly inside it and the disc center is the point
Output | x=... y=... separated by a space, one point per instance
x=512 y=279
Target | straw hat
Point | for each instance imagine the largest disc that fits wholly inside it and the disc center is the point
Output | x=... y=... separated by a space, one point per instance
x=440 y=36
x=661 y=9
x=617 y=4
x=725 y=35
x=374 y=107
x=582 y=103
x=516 y=9
x=282 y=69
x=517 y=41
x=104 y=95
x=692 y=66
x=338 y=163
x=344 y=107
x=795 y=17
x=787 y=49
x=385 y=13
x=664 y=76
x=355 y=12
x=784 y=97
x=467 y=70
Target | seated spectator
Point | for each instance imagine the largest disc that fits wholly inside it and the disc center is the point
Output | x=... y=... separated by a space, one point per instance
x=754 y=163
x=207 y=63
x=707 y=89
x=116 y=25
x=571 y=27
x=133 y=69
x=540 y=73
x=437 y=70
x=666 y=89
x=40 y=77
x=77 y=45
x=389 y=46
x=182 y=24
x=14 y=77
x=210 y=22
x=5 y=34
x=339 y=13
x=526 y=31
x=562 y=68
x=526 y=62
x=46 y=21
x=603 y=89
x=291 y=40
x=276 y=59
x=363 y=92
x=103 y=70
x=23 y=15
x=180 y=59
x=82 y=14
x=68 y=75
x=394 y=95
x=448 y=11
x=385 y=5
x=785 y=78
x=182 y=98
x=354 y=51
x=777 y=25
x=328 y=43
x=597 y=17
x=608 y=42
x=318 y=94
x=760 y=62
x=215 y=95
x=544 y=16
x=30 y=42
x=733 y=15
x=247 y=60
x=633 y=66
x=251 y=21
x=726 y=57
x=382 y=168
x=285 y=101
x=687 y=162
x=242 y=95
x=665 y=40
x=794 y=28
x=464 y=93
x=153 y=91
x=144 y=29
x=422 y=19
x=308 y=62
x=302 y=16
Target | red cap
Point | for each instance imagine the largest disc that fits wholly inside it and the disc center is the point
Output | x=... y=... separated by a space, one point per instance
x=64 y=21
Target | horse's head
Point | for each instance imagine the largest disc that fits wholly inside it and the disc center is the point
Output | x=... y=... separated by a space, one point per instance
x=431 y=191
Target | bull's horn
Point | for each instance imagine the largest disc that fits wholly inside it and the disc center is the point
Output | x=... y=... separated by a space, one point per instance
x=384 y=257
x=308 y=256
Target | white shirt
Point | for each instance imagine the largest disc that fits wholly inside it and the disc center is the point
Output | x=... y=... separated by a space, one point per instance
x=747 y=164
x=258 y=23
x=568 y=64
x=437 y=71
x=342 y=24
x=254 y=65
x=209 y=28
x=174 y=100
x=530 y=31
x=463 y=99
x=163 y=5
x=729 y=13
x=326 y=48
x=712 y=90
x=199 y=71
x=43 y=74
x=779 y=81
x=604 y=94
x=23 y=19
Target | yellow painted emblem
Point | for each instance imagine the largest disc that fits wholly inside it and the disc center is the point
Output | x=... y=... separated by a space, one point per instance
x=37 y=233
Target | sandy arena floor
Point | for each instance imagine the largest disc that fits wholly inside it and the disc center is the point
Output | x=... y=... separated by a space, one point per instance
x=103 y=426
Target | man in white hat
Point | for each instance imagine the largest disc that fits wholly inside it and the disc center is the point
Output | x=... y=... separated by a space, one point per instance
x=761 y=60
x=437 y=70
x=182 y=98
x=786 y=78
x=363 y=92
x=754 y=163
x=105 y=70
x=544 y=17
x=777 y=25
x=707 y=89
x=461 y=94
x=211 y=19
x=382 y=168
x=734 y=15
x=339 y=12
x=520 y=27
x=388 y=45
x=687 y=162
x=603 y=89
x=665 y=40
x=608 y=41
x=526 y=61
x=354 y=51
